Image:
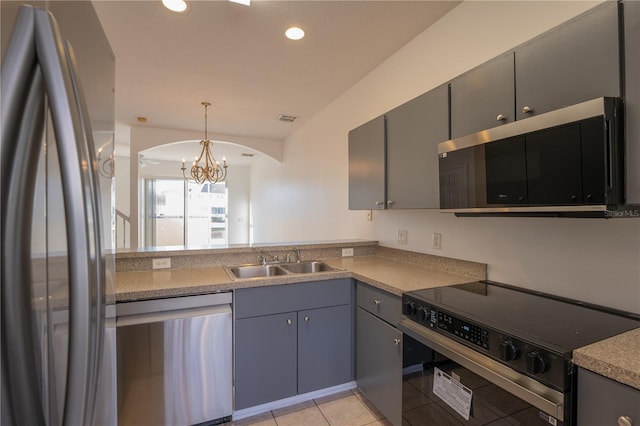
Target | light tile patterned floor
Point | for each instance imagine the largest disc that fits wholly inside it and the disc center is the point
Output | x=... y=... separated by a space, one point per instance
x=420 y=407
x=342 y=409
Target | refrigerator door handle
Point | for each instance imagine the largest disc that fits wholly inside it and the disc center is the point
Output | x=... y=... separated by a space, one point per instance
x=23 y=118
x=94 y=224
x=80 y=209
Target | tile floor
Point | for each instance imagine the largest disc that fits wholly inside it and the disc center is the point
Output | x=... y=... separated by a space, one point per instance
x=343 y=409
x=420 y=407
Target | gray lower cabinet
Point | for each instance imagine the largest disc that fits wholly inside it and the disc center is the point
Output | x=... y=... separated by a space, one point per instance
x=572 y=63
x=379 y=364
x=291 y=339
x=324 y=347
x=265 y=351
x=379 y=350
x=602 y=401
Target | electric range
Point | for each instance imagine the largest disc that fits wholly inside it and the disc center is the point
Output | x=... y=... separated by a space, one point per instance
x=520 y=339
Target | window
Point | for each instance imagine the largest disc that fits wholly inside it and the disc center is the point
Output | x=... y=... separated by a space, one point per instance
x=169 y=201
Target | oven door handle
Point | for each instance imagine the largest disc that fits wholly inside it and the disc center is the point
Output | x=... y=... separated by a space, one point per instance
x=529 y=390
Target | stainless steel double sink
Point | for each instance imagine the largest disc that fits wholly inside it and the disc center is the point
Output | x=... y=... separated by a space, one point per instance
x=248 y=271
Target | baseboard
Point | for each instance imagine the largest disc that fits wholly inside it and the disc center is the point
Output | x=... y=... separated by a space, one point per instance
x=286 y=402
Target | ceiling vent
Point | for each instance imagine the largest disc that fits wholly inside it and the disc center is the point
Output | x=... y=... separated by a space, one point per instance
x=246 y=154
x=287 y=118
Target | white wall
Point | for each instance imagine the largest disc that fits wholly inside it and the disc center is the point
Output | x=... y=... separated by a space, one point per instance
x=306 y=196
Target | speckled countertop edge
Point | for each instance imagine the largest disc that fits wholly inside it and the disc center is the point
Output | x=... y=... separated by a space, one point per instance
x=617 y=358
x=234 y=248
x=390 y=275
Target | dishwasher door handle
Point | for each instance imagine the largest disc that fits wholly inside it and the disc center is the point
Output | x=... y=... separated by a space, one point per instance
x=151 y=317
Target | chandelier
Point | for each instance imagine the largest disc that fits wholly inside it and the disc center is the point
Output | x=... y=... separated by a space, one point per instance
x=210 y=171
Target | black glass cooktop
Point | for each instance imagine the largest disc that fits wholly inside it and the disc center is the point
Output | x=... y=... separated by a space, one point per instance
x=559 y=324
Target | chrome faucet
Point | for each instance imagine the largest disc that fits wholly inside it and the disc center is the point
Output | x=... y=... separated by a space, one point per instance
x=298 y=258
x=264 y=256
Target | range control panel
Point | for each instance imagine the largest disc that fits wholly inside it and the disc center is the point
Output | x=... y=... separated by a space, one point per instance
x=543 y=365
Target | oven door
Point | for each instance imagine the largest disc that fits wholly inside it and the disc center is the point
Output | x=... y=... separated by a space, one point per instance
x=500 y=395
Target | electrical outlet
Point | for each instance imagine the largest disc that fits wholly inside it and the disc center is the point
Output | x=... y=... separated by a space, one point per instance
x=402 y=236
x=370 y=215
x=437 y=241
x=347 y=252
x=162 y=263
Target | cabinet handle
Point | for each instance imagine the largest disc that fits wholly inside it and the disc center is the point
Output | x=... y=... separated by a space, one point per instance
x=376 y=301
x=390 y=203
x=306 y=318
x=289 y=322
x=396 y=341
x=527 y=110
x=379 y=203
x=625 y=421
x=501 y=117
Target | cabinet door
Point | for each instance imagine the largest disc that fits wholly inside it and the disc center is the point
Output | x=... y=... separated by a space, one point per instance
x=414 y=131
x=266 y=356
x=324 y=348
x=632 y=99
x=483 y=97
x=573 y=63
x=554 y=170
x=367 y=166
x=379 y=364
x=602 y=401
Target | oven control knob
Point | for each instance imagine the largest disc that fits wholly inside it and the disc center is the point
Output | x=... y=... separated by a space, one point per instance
x=509 y=351
x=423 y=314
x=409 y=308
x=536 y=363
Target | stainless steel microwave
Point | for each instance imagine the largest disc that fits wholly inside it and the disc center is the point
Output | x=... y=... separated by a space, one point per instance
x=568 y=162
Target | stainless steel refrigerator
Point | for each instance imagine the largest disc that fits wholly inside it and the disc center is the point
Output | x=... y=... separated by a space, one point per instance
x=58 y=270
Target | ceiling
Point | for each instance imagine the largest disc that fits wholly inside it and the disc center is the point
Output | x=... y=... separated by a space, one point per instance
x=237 y=58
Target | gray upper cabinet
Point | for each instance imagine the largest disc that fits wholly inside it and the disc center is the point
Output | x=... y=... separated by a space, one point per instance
x=572 y=63
x=483 y=97
x=393 y=159
x=632 y=98
x=367 y=166
x=414 y=130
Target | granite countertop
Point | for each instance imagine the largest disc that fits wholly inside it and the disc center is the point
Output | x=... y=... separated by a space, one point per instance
x=617 y=358
x=390 y=275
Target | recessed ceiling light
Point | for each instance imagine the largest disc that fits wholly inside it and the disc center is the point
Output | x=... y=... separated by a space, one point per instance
x=175 y=5
x=294 y=33
x=245 y=2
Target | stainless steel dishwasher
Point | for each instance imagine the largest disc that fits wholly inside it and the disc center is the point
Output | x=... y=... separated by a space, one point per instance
x=175 y=360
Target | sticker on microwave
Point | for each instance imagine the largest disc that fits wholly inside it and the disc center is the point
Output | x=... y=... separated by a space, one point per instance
x=452 y=392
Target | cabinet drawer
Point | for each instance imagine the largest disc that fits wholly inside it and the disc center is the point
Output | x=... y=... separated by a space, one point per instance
x=380 y=303
x=257 y=301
